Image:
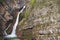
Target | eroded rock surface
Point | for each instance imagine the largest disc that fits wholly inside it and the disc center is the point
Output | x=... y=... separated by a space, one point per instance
x=44 y=19
x=41 y=20
x=8 y=12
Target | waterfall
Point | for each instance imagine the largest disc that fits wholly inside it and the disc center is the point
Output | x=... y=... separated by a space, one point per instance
x=13 y=33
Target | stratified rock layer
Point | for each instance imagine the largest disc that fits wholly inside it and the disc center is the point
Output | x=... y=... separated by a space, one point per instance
x=8 y=13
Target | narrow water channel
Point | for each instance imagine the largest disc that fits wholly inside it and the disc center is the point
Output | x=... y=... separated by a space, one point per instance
x=13 y=33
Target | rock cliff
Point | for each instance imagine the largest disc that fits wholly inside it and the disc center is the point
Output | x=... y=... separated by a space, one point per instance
x=42 y=19
x=39 y=21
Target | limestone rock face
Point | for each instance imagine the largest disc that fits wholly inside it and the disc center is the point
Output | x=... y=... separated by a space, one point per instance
x=43 y=18
x=39 y=21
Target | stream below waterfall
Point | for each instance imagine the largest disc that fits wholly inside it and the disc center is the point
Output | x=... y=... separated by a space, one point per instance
x=13 y=33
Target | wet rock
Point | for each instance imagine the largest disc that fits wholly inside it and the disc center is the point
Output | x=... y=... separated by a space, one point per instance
x=8 y=16
x=10 y=9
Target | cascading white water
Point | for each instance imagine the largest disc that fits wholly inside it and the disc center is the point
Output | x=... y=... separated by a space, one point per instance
x=13 y=34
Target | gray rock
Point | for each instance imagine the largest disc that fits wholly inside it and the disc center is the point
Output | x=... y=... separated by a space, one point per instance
x=28 y=26
x=52 y=38
x=58 y=37
x=44 y=32
x=15 y=3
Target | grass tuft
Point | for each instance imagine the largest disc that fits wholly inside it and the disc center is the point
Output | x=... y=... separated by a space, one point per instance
x=32 y=3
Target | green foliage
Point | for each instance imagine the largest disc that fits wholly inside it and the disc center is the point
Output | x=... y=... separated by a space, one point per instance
x=12 y=39
x=1 y=1
x=26 y=13
x=32 y=3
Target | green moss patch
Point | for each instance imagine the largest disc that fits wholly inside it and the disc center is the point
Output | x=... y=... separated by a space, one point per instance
x=26 y=13
x=32 y=3
x=12 y=39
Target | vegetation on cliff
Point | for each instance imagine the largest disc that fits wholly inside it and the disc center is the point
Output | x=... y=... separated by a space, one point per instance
x=40 y=20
